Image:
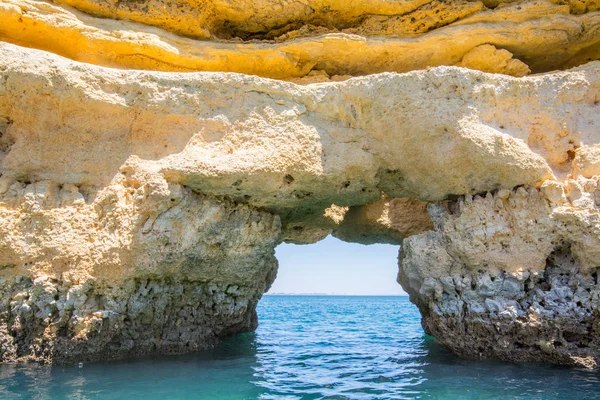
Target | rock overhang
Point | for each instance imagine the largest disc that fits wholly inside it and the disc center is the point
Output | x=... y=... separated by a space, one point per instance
x=288 y=149
x=542 y=35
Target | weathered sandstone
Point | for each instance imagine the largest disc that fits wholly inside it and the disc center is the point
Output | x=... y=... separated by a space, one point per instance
x=145 y=267
x=140 y=208
x=543 y=35
x=384 y=221
x=512 y=275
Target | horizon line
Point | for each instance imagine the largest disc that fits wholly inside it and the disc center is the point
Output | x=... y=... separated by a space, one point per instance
x=334 y=294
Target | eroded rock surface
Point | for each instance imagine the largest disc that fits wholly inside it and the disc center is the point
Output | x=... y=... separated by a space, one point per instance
x=53 y=320
x=543 y=35
x=511 y=275
x=384 y=221
x=139 y=210
x=145 y=267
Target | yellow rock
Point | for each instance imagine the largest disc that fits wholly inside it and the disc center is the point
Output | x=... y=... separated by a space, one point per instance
x=384 y=221
x=487 y=58
x=541 y=42
x=586 y=162
x=251 y=19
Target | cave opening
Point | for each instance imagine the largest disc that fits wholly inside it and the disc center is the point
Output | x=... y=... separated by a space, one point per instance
x=335 y=267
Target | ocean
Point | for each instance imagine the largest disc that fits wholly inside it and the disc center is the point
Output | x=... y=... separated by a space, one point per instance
x=309 y=347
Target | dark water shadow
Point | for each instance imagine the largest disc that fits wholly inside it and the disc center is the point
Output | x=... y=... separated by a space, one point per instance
x=225 y=372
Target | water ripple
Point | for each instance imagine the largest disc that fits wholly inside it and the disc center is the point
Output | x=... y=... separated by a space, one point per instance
x=352 y=347
x=309 y=347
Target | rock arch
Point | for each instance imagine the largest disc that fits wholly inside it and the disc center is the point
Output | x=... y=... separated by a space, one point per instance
x=139 y=209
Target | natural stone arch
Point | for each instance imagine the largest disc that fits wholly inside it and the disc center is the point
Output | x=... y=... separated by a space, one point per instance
x=110 y=229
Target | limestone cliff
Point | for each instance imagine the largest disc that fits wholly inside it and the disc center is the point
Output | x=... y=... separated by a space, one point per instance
x=140 y=209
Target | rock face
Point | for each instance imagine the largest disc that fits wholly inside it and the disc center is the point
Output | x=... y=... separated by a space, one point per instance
x=511 y=275
x=347 y=38
x=145 y=267
x=140 y=209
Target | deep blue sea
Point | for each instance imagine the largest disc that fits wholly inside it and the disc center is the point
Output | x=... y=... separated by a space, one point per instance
x=310 y=347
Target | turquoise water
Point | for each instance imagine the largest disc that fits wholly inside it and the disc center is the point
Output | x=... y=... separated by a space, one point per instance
x=310 y=347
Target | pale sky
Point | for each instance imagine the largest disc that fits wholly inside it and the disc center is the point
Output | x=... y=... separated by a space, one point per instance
x=335 y=267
